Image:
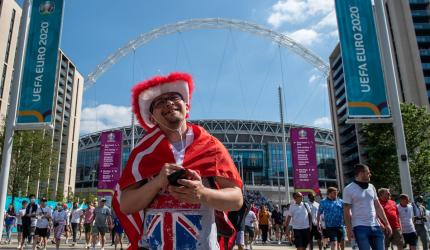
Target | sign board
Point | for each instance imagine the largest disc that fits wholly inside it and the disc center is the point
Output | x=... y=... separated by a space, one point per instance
x=305 y=171
x=109 y=162
x=362 y=68
x=40 y=65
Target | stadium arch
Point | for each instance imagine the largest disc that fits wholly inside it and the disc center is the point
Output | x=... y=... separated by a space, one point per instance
x=207 y=23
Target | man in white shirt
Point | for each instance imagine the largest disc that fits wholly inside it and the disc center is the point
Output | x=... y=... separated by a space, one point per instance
x=361 y=210
x=43 y=214
x=75 y=220
x=406 y=215
x=299 y=215
x=250 y=219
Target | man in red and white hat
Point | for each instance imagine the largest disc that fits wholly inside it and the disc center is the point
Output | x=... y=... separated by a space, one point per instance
x=154 y=213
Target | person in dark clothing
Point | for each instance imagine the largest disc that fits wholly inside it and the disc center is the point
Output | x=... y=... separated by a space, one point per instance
x=29 y=220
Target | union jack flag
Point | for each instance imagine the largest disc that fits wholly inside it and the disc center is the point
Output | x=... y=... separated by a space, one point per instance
x=167 y=230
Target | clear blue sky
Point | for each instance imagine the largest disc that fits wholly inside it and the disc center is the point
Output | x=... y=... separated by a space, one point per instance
x=236 y=73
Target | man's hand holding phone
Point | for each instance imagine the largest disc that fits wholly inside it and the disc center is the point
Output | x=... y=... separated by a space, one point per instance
x=191 y=189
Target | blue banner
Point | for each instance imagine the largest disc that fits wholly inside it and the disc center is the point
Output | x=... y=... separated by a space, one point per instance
x=40 y=65
x=363 y=75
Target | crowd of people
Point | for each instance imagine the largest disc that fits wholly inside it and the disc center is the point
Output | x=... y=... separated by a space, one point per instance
x=369 y=219
x=36 y=224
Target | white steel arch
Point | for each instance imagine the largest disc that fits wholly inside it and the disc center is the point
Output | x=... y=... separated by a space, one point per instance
x=207 y=23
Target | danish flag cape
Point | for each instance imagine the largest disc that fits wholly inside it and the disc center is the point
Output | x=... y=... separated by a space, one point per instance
x=206 y=155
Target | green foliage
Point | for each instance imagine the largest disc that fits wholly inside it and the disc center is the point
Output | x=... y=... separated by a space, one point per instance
x=382 y=156
x=32 y=159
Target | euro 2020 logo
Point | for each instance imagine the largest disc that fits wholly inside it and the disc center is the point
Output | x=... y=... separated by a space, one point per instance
x=46 y=8
x=302 y=133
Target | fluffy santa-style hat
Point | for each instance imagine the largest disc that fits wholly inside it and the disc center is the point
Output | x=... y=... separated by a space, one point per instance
x=145 y=92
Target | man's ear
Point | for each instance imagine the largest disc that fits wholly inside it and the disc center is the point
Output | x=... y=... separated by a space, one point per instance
x=187 y=107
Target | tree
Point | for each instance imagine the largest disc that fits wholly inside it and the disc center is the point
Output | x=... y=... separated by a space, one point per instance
x=380 y=146
x=32 y=159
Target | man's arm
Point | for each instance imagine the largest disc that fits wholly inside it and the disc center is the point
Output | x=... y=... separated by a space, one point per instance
x=347 y=218
x=381 y=214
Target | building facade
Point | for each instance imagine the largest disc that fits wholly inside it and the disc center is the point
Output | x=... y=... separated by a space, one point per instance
x=409 y=23
x=10 y=17
x=255 y=146
x=65 y=135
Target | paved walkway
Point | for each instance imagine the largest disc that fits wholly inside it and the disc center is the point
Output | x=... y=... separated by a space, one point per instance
x=81 y=245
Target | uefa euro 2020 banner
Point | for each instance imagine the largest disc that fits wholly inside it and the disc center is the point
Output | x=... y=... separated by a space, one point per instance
x=303 y=151
x=110 y=162
x=40 y=65
x=363 y=75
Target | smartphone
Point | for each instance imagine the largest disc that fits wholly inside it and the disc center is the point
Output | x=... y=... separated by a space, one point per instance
x=175 y=176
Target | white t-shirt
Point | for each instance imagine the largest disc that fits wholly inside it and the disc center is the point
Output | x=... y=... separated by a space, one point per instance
x=314 y=206
x=43 y=222
x=362 y=204
x=299 y=216
x=406 y=215
x=76 y=215
x=250 y=218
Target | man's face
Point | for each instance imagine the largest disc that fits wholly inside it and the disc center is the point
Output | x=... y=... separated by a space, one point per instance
x=365 y=175
x=385 y=196
x=404 y=201
x=298 y=198
x=169 y=109
x=311 y=197
x=332 y=195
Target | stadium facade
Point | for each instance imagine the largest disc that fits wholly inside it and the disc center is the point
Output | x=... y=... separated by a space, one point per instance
x=255 y=146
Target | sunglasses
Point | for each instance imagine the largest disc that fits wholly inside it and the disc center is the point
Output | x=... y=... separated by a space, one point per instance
x=162 y=101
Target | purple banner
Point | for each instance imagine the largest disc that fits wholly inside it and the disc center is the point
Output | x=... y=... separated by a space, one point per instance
x=304 y=160
x=110 y=161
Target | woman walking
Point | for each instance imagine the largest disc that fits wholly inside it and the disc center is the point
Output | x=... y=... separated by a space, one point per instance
x=59 y=218
x=263 y=219
x=9 y=222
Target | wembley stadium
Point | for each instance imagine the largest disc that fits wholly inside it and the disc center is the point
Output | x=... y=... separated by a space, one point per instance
x=255 y=146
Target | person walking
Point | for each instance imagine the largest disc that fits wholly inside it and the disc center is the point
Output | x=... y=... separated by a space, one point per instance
x=75 y=220
x=30 y=214
x=44 y=215
x=250 y=221
x=102 y=223
x=119 y=232
x=10 y=218
x=277 y=222
x=88 y=223
x=20 y=228
x=316 y=228
x=67 y=228
x=59 y=218
x=300 y=217
x=406 y=216
x=392 y=213
x=361 y=210
x=331 y=209
x=420 y=219
x=263 y=220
